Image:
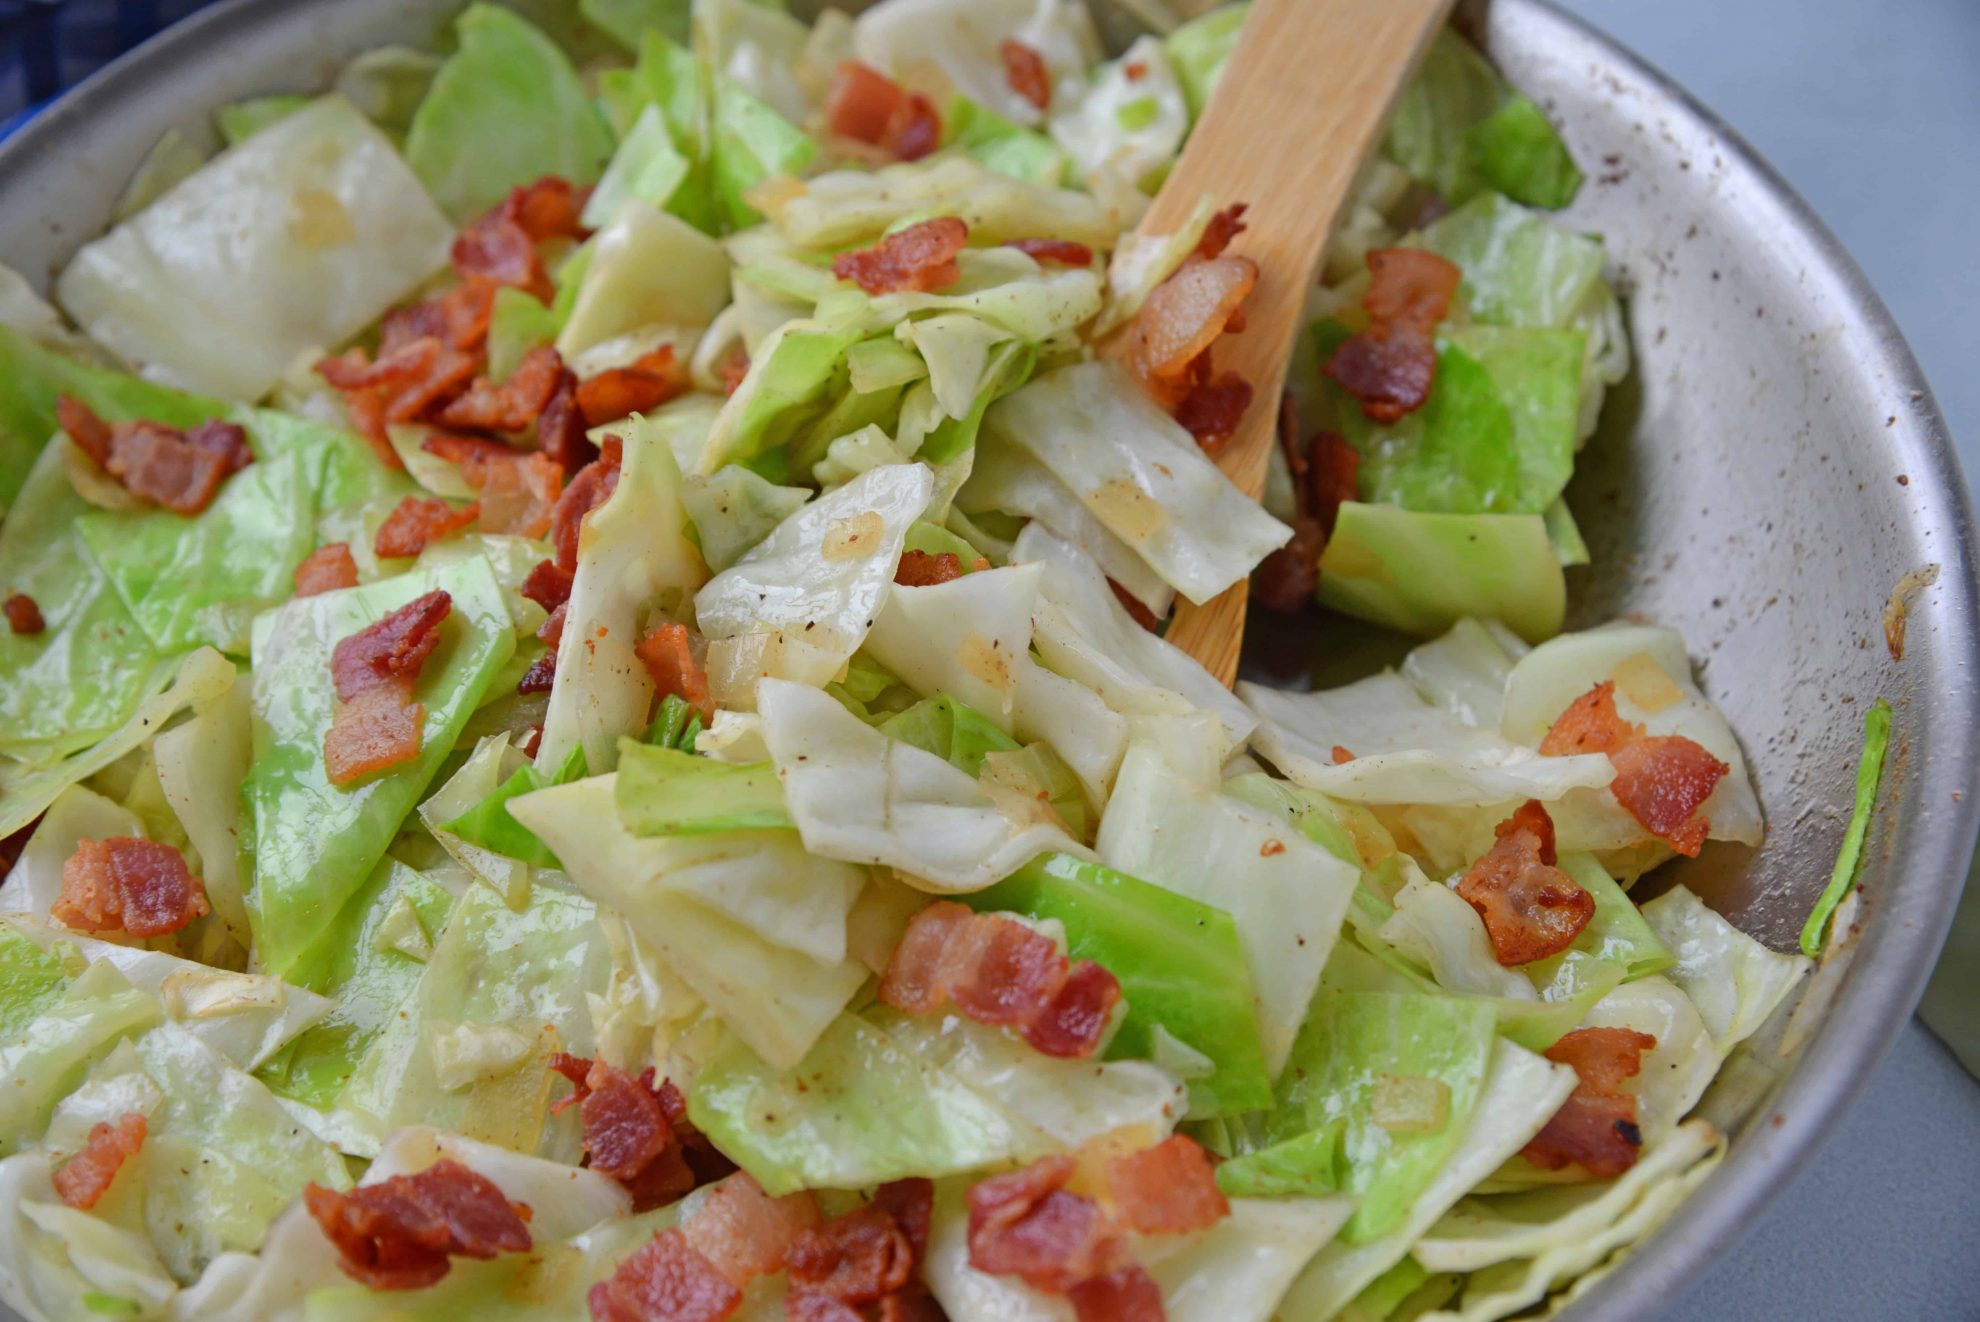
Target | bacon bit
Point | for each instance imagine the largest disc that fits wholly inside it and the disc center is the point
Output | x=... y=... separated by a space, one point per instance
x=1342 y=756
x=85 y=1178
x=1135 y=607
x=496 y=248
x=541 y=676
x=1071 y=1025
x=1024 y=70
x=1596 y=1126
x=326 y=569
x=918 y=569
x=380 y=728
x=407 y=380
x=560 y=428
x=90 y=432
x=1272 y=849
x=398 y=1234
x=745 y=1233
x=1531 y=908
x=911 y=1202
x=1286 y=580
x=1136 y=71
x=645 y=385
x=669 y=658
x=1391 y=366
x=1014 y=976
x=1126 y=1294
x=23 y=615
x=394 y=647
x=666 y=1280
x=1063 y=251
x=856 y=1259
x=548 y=585
x=419 y=522
x=465 y=452
x=998 y=971
x=591 y=487
x=919 y=258
x=734 y=368
x=550 y=208
x=867 y=106
x=1225 y=226
x=626 y=1136
x=1590 y=724
x=458 y=318
x=551 y=631
x=1026 y=1225
x=1662 y=781
x=1183 y=316
x=1167 y=1189
x=1211 y=409
x=516 y=403
x=1334 y=473
x=125 y=884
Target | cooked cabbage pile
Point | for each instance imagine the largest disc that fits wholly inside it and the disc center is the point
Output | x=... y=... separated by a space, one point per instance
x=586 y=731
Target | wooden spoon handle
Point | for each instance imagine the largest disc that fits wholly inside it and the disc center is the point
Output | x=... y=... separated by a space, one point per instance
x=1301 y=102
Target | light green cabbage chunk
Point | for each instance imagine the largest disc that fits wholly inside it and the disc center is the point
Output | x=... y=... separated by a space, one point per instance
x=315 y=843
x=45 y=1058
x=1287 y=901
x=505 y=109
x=294 y=241
x=846 y=208
x=201 y=765
x=1140 y=474
x=1200 y=48
x=1421 y=573
x=1735 y=982
x=1128 y=125
x=1520 y=268
x=647 y=268
x=54 y=1257
x=860 y=796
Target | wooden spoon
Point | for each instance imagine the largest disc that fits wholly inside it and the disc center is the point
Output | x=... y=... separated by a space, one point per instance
x=1300 y=104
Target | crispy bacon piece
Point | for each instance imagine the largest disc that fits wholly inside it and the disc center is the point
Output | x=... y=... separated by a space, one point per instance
x=998 y=971
x=24 y=616
x=592 y=487
x=1211 y=409
x=1662 y=781
x=1026 y=1225
x=911 y=1202
x=669 y=659
x=178 y=470
x=1333 y=476
x=626 y=1136
x=1063 y=251
x=497 y=248
x=1126 y=1294
x=1225 y=226
x=918 y=569
x=745 y=1233
x=90 y=432
x=647 y=383
x=1343 y=755
x=84 y=1178
x=1134 y=606
x=1167 y=1189
x=398 y=1234
x=920 y=258
x=1286 y=580
x=326 y=569
x=560 y=428
x=408 y=379
x=515 y=404
x=1596 y=1126
x=378 y=729
x=856 y=1259
x=1074 y=1020
x=867 y=106
x=1183 y=316
x=550 y=208
x=1025 y=71
x=394 y=647
x=1531 y=908
x=1590 y=724
x=125 y=884
x=458 y=318
x=1391 y=365
x=417 y=523
x=666 y=1280
x=548 y=585
x=734 y=368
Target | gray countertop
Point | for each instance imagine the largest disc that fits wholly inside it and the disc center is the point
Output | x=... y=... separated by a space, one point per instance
x=1871 y=109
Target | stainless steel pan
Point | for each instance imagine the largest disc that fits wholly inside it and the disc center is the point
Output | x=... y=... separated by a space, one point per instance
x=1773 y=468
